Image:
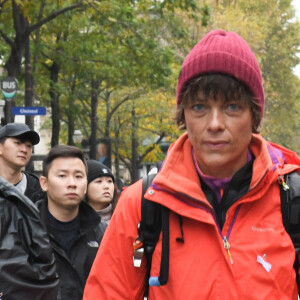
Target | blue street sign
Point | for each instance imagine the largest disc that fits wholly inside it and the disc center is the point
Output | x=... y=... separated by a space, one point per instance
x=29 y=111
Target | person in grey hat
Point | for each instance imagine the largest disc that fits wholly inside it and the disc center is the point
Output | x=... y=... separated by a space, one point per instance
x=16 y=141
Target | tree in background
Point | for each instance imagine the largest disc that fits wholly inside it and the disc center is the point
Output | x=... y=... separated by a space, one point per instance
x=122 y=53
x=110 y=67
x=22 y=19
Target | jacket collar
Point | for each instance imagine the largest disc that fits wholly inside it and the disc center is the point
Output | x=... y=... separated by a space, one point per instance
x=178 y=173
x=89 y=219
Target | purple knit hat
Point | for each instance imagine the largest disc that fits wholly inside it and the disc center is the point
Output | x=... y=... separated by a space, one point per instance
x=227 y=53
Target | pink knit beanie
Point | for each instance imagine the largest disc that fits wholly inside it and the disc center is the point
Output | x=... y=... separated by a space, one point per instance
x=223 y=52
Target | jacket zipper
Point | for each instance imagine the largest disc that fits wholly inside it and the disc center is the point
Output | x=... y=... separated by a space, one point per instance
x=209 y=209
x=225 y=239
x=227 y=247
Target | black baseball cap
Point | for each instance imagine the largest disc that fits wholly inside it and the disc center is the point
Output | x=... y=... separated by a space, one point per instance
x=21 y=131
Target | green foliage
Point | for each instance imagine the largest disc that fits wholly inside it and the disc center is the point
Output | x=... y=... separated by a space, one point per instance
x=134 y=50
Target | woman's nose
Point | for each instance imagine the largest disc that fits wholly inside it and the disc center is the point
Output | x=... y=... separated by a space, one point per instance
x=216 y=119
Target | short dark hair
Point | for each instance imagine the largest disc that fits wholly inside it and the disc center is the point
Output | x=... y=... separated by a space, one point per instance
x=62 y=151
x=2 y=141
x=218 y=86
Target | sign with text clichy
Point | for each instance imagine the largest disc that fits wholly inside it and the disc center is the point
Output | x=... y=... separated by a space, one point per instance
x=29 y=111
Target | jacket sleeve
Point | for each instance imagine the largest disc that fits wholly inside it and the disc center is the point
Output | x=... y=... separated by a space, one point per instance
x=113 y=275
x=28 y=269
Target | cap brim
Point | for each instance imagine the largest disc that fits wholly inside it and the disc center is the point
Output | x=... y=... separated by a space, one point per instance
x=31 y=136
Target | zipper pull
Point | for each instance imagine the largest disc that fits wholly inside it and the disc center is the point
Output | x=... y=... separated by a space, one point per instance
x=283 y=183
x=227 y=247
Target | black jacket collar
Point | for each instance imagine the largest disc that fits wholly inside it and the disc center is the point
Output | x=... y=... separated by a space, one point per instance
x=89 y=219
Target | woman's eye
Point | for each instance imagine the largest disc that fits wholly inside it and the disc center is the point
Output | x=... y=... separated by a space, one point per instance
x=198 y=107
x=233 y=107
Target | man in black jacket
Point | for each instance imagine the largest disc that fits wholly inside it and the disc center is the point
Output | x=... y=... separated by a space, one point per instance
x=16 y=142
x=27 y=262
x=75 y=229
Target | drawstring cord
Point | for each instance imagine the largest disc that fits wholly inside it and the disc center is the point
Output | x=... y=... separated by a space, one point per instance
x=180 y=239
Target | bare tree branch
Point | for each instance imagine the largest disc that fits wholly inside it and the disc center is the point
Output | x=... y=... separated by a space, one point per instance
x=7 y=39
x=53 y=16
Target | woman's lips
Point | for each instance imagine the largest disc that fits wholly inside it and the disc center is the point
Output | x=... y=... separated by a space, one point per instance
x=216 y=144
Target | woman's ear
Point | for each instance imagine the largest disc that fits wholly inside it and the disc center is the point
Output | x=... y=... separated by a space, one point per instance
x=44 y=183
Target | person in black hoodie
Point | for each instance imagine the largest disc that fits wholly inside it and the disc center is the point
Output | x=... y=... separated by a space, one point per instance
x=74 y=228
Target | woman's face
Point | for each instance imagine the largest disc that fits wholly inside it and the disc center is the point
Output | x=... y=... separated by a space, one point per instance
x=220 y=133
x=100 y=192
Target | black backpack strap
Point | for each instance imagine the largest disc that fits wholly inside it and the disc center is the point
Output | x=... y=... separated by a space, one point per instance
x=150 y=227
x=164 y=266
x=155 y=218
x=290 y=208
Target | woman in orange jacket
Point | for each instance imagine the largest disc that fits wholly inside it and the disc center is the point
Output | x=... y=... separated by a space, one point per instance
x=219 y=182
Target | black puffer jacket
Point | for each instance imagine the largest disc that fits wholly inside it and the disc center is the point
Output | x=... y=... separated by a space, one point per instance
x=74 y=268
x=27 y=263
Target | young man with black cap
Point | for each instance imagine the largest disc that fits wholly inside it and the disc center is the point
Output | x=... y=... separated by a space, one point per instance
x=16 y=141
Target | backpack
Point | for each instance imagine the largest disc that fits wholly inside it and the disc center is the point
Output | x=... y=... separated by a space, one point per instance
x=155 y=219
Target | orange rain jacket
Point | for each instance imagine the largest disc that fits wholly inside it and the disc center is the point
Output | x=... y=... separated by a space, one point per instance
x=200 y=268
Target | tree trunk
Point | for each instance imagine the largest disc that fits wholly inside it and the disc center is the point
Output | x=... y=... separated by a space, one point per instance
x=71 y=115
x=28 y=93
x=134 y=158
x=94 y=119
x=71 y=129
x=107 y=130
x=8 y=117
x=54 y=71
x=28 y=83
x=13 y=64
x=117 y=156
x=21 y=25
